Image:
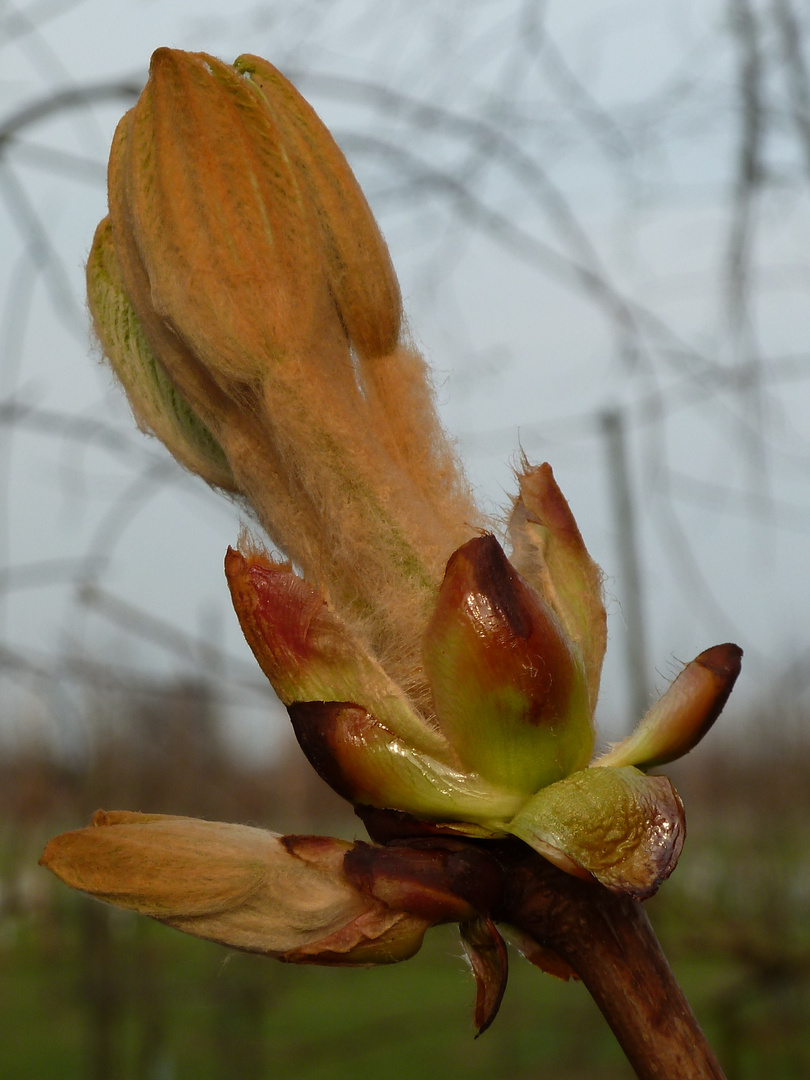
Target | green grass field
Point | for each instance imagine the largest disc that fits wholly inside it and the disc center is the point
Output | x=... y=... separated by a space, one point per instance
x=101 y=994
x=91 y=993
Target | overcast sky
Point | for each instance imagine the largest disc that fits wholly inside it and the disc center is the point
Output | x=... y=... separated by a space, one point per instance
x=553 y=136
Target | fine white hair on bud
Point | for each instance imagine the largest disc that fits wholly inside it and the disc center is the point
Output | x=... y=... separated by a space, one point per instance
x=251 y=889
x=246 y=299
x=243 y=262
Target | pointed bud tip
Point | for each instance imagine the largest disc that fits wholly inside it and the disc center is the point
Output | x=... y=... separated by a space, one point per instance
x=725 y=661
x=548 y=550
x=684 y=714
x=544 y=494
x=481 y=566
x=486 y=952
x=480 y=552
x=165 y=62
x=284 y=622
x=235 y=563
x=162 y=55
x=242 y=559
x=165 y=59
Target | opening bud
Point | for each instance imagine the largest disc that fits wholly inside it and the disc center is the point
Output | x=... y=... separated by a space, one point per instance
x=508 y=684
x=254 y=890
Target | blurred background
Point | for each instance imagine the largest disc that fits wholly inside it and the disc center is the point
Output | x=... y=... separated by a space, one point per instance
x=601 y=219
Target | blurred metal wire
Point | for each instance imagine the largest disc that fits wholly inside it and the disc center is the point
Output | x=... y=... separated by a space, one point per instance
x=476 y=147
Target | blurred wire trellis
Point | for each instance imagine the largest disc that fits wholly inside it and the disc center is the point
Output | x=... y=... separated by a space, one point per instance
x=567 y=147
x=601 y=217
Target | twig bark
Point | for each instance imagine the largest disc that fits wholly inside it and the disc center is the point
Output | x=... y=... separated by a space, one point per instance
x=608 y=941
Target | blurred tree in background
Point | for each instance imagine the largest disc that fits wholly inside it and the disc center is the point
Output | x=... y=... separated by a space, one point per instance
x=600 y=217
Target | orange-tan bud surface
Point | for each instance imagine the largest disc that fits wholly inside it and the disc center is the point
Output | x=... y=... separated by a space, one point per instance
x=251 y=889
x=245 y=297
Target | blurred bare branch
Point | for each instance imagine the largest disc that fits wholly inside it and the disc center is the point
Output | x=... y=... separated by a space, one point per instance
x=18 y=22
x=490 y=123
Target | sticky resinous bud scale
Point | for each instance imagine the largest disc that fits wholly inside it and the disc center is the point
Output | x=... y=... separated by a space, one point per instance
x=245 y=298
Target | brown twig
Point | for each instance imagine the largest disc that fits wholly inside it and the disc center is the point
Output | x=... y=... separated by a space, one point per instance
x=608 y=941
x=603 y=936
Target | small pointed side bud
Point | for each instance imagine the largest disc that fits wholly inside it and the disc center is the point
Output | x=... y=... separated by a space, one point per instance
x=685 y=712
x=617 y=825
x=449 y=881
x=286 y=897
x=157 y=404
x=508 y=685
x=489 y=961
x=309 y=654
x=550 y=553
x=541 y=956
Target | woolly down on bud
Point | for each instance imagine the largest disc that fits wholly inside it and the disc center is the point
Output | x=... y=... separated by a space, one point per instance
x=245 y=298
x=243 y=262
x=286 y=897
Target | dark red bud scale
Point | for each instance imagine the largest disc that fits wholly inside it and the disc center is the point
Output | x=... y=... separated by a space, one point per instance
x=508 y=684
